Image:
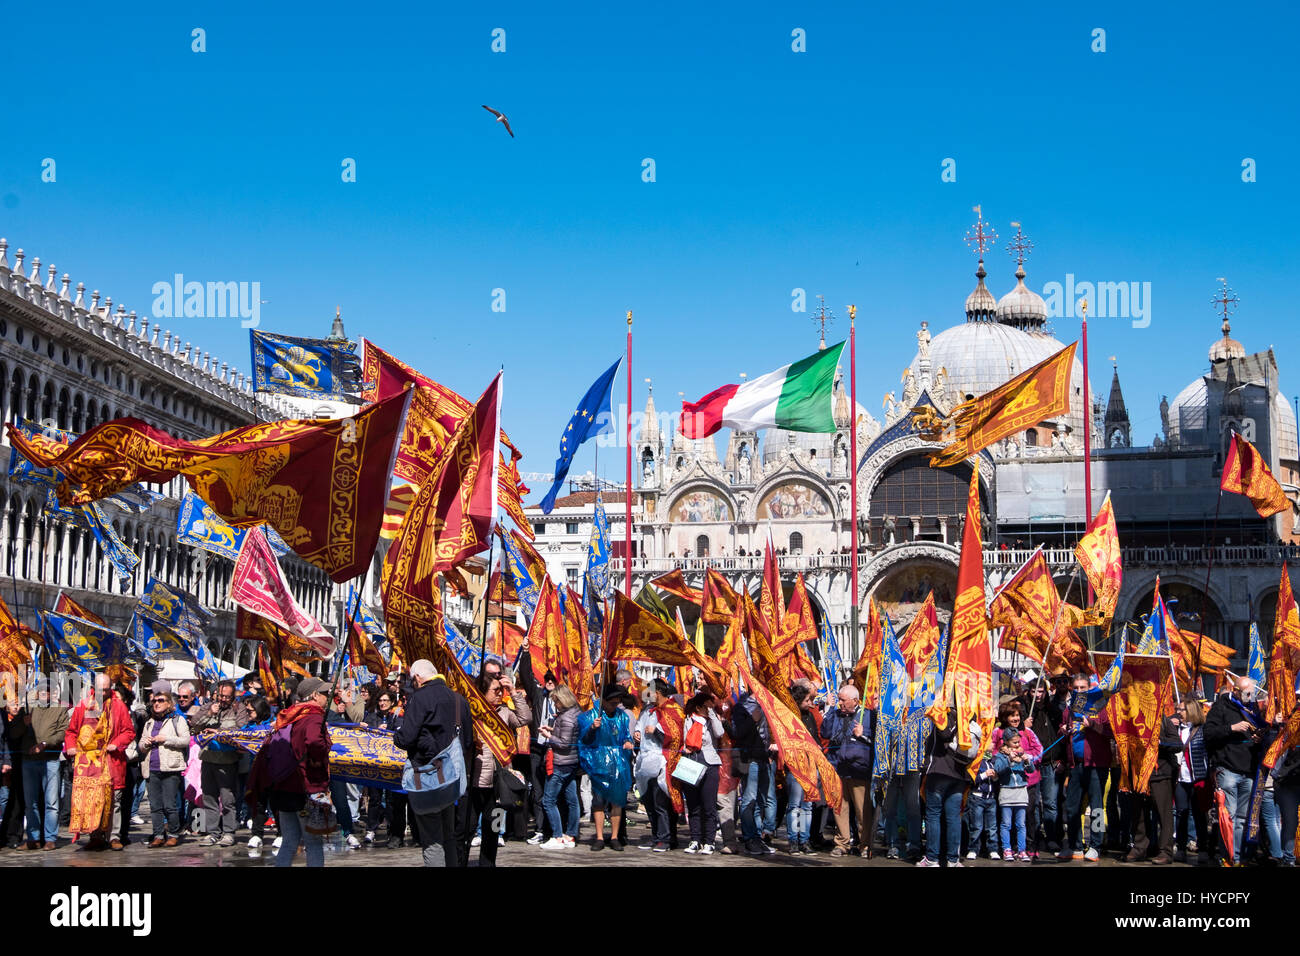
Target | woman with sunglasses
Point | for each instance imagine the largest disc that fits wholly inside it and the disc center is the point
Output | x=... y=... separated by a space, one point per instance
x=164 y=747
x=380 y=804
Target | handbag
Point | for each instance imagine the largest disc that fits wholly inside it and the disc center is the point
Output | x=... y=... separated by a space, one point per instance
x=318 y=815
x=441 y=782
x=694 y=736
x=511 y=788
x=689 y=771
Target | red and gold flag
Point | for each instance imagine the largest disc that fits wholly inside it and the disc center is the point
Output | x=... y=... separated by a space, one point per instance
x=1215 y=658
x=771 y=596
x=284 y=650
x=1028 y=610
x=458 y=522
x=1035 y=395
x=321 y=484
x=674 y=583
x=270 y=679
x=802 y=756
x=718 y=600
x=764 y=664
x=636 y=634
x=731 y=651
x=1144 y=698
x=501 y=588
x=15 y=653
x=1246 y=473
x=546 y=634
x=399 y=501
x=508 y=638
x=362 y=651
x=672 y=724
x=1288 y=737
x=866 y=672
x=1099 y=555
x=65 y=605
x=258 y=584
x=1284 y=659
x=968 y=679
x=576 y=656
x=511 y=489
x=798 y=624
x=921 y=638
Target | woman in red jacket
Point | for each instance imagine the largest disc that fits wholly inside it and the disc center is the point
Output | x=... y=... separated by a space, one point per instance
x=292 y=768
x=98 y=734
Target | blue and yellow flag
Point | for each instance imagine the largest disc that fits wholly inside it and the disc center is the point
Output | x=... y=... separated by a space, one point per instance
x=1092 y=702
x=83 y=644
x=597 y=574
x=466 y=654
x=832 y=664
x=172 y=608
x=1255 y=668
x=21 y=469
x=308 y=368
x=200 y=527
x=123 y=559
x=593 y=416
x=155 y=641
x=364 y=616
x=894 y=694
x=526 y=569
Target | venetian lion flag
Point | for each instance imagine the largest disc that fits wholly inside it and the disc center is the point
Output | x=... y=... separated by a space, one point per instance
x=797 y=397
x=1145 y=696
x=259 y=586
x=867 y=670
x=1034 y=620
x=674 y=583
x=636 y=634
x=321 y=484
x=798 y=625
x=1284 y=660
x=1099 y=555
x=362 y=651
x=1035 y=395
x=921 y=638
x=802 y=756
x=462 y=498
x=15 y=652
x=1246 y=473
x=968 y=678
x=718 y=600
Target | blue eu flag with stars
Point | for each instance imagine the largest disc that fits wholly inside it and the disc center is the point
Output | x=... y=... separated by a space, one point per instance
x=588 y=421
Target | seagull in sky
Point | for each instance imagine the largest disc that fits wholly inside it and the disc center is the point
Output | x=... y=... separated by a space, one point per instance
x=501 y=118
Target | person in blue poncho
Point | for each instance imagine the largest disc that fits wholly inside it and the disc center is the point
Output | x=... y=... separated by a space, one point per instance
x=604 y=738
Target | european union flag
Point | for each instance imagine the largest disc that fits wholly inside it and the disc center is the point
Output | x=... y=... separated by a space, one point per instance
x=590 y=419
x=308 y=368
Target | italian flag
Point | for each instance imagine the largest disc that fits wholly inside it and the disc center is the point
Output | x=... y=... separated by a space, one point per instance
x=796 y=397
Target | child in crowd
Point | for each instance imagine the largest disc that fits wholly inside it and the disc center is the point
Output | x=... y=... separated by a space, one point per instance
x=1013 y=765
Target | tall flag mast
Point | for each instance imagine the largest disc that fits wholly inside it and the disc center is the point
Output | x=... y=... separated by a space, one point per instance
x=627 y=443
x=853 y=467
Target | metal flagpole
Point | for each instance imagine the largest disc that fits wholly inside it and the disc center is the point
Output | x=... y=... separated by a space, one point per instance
x=487 y=599
x=1087 y=435
x=627 y=441
x=853 y=476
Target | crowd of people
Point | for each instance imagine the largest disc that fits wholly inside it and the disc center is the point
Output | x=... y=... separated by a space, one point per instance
x=1046 y=786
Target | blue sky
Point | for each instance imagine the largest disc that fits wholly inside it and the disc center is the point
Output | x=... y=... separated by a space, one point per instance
x=775 y=170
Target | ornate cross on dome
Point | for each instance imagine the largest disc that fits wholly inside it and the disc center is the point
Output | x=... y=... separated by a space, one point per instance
x=980 y=236
x=1020 y=246
x=823 y=318
x=1226 y=301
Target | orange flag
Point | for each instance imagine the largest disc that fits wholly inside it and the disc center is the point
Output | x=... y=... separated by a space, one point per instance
x=674 y=583
x=362 y=651
x=866 y=672
x=1027 y=608
x=718 y=601
x=65 y=605
x=15 y=654
x=1144 y=698
x=546 y=634
x=1284 y=660
x=771 y=597
x=1099 y=555
x=1246 y=473
x=968 y=679
x=765 y=667
x=1288 y=737
x=731 y=651
x=802 y=756
x=637 y=635
x=1033 y=396
x=798 y=625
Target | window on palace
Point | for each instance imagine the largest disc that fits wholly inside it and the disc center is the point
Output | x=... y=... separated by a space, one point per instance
x=796 y=543
x=18 y=335
x=539 y=527
x=571 y=527
x=911 y=488
x=571 y=575
x=702 y=546
x=1031 y=438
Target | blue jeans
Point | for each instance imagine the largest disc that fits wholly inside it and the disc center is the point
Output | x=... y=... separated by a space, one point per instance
x=1236 y=792
x=760 y=790
x=1287 y=797
x=563 y=780
x=908 y=786
x=943 y=800
x=981 y=820
x=1271 y=825
x=798 y=812
x=1092 y=779
x=342 y=806
x=1013 y=816
x=1047 y=803
x=292 y=834
x=41 y=788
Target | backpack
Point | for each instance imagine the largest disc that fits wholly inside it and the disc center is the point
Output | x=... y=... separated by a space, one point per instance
x=281 y=761
x=964 y=756
x=441 y=782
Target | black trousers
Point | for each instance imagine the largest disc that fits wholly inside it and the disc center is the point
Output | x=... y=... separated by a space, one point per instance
x=395 y=809
x=702 y=806
x=481 y=802
x=537 y=786
x=1161 y=801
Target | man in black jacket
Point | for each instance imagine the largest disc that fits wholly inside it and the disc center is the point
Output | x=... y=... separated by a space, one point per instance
x=434 y=715
x=750 y=736
x=1233 y=732
x=850 y=733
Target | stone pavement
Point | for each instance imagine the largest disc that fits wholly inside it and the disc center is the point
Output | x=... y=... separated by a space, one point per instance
x=514 y=853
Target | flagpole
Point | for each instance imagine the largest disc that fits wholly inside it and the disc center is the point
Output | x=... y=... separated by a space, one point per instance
x=1209 y=566
x=1087 y=436
x=853 y=474
x=627 y=442
x=487 y=599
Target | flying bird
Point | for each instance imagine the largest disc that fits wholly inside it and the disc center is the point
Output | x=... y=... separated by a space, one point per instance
x=501 y=118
